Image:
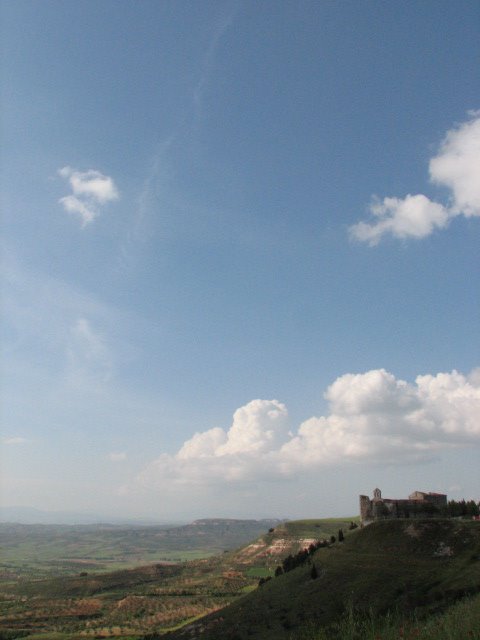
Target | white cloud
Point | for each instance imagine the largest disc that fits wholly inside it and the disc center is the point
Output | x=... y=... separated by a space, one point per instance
x=457 y=167
x=15 y=440
x=376 y=417
x=89 y=190
x=90 y=183
x=71 y=204
x=373 y=417
x=258 y=428
x=413 y=217
x=117 y=456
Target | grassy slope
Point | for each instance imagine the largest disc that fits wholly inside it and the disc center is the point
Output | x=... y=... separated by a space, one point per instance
x=392 y=564
x=318 y=529
x=460 y=621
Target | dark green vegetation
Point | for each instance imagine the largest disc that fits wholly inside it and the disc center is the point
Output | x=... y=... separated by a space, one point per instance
x=38 y=551
x=460 y=621
x=461 y=508
x=152 y=598
x=397 y=566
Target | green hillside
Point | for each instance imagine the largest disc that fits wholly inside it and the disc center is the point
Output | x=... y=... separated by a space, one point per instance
x=393 y=565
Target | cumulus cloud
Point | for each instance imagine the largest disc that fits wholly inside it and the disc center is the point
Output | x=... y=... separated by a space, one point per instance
x=456 y=167
x=90 y=190
x=372 y=416
x=258 y=428
x=412 y=217
x=376 y=417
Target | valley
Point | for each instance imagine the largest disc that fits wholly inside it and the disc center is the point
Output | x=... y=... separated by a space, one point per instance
x=53 y=588
x=40 y=551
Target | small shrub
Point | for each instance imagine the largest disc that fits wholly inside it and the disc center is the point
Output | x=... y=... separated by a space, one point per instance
x=262 y=581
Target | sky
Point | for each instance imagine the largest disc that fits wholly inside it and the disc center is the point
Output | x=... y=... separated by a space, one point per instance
x=240 y=255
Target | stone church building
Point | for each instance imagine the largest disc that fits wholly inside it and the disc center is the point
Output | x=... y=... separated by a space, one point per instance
x=418 y=505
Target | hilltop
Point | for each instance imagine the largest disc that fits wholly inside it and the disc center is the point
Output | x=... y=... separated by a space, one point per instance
x=422 y=565
x=288 y=538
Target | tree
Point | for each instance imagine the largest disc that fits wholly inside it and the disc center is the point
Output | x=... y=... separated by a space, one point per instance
x=332 y=539
x=471 y=508
x=288 y=563
x=341 y=537
x=278 y=571
x=313 y=572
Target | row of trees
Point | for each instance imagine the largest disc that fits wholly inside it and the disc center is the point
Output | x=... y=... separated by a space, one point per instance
x=453 y=509
x=293 y=561
x=461 y=508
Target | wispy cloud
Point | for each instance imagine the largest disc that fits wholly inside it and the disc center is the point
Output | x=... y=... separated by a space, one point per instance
x=90 y=190
x=61 y=330
x=117 y=456
x=159 y=191
x=42 y=312
x=373 y=417
x=209 y=57
x=88 y=355
x=456 y=167
x=15 y=440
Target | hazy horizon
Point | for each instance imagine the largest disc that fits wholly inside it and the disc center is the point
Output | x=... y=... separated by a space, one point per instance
x=16 y=514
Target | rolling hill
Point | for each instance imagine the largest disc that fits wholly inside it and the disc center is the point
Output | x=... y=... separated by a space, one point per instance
x=397 y=565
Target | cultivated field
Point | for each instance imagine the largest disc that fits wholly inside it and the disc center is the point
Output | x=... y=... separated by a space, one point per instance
x=56 y=580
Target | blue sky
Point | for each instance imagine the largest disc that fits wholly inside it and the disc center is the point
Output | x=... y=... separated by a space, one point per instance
x=240 y=255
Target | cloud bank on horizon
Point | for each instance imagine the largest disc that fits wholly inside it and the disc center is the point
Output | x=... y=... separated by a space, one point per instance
x=90 y=190
x=373 y=417
x=456 y=167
